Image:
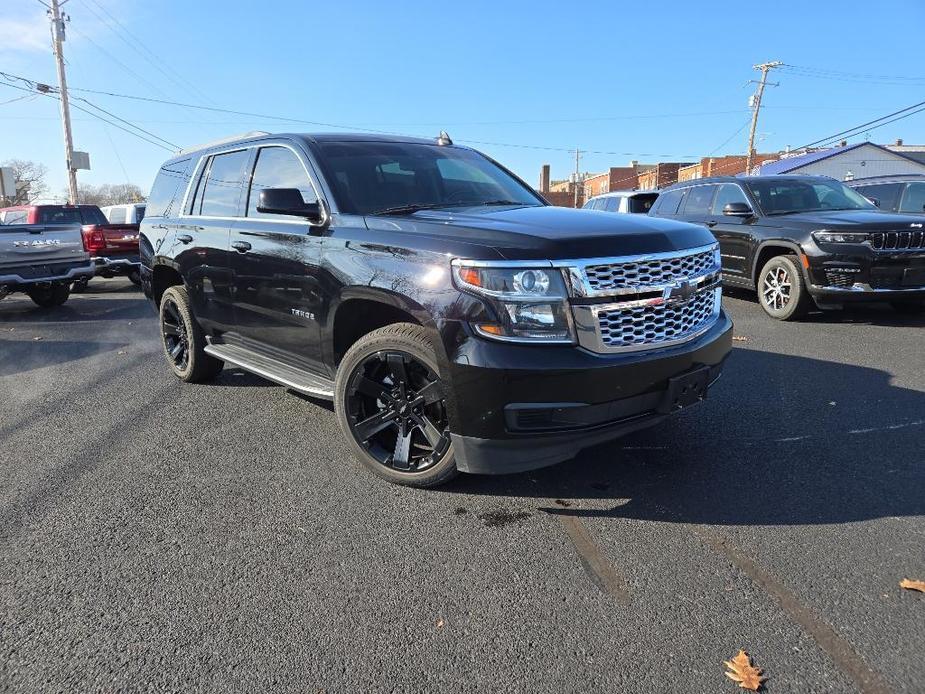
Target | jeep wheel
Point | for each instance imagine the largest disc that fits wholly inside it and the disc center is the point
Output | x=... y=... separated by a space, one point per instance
x=781 y=291
x=49 y=295
x=183 y=339
x=390 y=403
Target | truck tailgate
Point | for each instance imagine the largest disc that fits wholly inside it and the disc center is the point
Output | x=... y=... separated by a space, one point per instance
x=120 y=238
x=24 y=245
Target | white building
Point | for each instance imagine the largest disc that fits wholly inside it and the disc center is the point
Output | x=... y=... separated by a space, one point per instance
x=862 y=160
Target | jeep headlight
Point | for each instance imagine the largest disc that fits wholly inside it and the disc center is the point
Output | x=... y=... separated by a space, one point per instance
x=840 y=237
x=531 y=303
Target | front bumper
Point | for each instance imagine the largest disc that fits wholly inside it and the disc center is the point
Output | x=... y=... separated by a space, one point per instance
x=520 y=407
x=838 y=275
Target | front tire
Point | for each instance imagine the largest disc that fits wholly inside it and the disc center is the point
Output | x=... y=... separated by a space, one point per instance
x=390 y=403
x=781 y=290
x=183 y=339
x=49 y=296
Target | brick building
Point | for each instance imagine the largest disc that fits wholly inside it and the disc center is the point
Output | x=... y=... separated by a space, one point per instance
x=661 y=175
x=730 y=165
x=616 y=178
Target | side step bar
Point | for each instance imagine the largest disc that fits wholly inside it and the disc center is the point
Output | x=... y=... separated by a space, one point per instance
x=273 y=370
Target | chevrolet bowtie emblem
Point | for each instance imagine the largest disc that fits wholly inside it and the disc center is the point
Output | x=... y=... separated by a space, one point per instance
x=679 y=292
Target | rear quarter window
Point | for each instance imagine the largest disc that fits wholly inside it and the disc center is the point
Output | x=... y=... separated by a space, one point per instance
x=169 y=185
x=669 y=202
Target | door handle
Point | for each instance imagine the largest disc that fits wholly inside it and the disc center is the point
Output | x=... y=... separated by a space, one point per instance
x=159 y=226
x=184 y=238
x=241 y=246
x=712 y=223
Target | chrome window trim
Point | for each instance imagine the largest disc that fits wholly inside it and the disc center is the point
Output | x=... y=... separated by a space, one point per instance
x=203 y=158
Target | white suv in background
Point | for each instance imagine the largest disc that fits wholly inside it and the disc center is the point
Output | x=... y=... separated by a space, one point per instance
x=131 y=213
x=624 y=201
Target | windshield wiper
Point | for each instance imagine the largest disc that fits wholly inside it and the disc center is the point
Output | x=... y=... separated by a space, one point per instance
x=505 y=202
x=412 y=208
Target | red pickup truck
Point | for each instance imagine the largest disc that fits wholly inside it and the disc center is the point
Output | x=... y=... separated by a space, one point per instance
x=112 y=247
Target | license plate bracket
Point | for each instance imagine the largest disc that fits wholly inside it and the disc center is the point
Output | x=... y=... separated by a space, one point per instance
x=686 y=390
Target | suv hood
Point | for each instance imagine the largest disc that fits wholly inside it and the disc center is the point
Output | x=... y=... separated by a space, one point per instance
x=548 y=232
x=855 y=220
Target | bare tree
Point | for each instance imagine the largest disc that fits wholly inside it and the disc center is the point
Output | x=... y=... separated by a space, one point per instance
x=109 y=194
x=30 y=180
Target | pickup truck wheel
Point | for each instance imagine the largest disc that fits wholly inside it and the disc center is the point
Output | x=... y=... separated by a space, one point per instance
x=135 y=277
x=781 y=291
x=80 y=285
x=49 y=296
x=183 y=339
x=390 y=402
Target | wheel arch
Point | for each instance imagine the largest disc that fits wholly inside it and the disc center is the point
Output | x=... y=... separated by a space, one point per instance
x=163 y=276
x=769 y=249
x=360 y=310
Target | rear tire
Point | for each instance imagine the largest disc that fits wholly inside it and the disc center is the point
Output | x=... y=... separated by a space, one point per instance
x=135 y=277
x=183 y=339
x=80 y=286
x=908 y=307
x=390 y=403
x=49 y=296
x=781 y=291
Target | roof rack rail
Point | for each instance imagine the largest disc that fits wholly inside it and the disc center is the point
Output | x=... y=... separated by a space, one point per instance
x=224 y=140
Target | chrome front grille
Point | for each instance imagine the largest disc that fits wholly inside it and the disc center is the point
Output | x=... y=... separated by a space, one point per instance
x=643 y=272
x=897 y=240
x=652 y=325
x=634 y=303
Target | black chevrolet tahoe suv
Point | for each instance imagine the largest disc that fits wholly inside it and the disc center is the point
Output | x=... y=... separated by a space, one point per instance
x=457 y=320
x=804 y=239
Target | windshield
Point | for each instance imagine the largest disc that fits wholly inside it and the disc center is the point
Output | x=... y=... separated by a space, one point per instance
x=375 y=177
x=782 y=196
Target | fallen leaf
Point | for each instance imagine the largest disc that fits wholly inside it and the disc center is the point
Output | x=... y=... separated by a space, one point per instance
x=743 y=672
x=909 y=584
x=739 y=338
x=440 y=623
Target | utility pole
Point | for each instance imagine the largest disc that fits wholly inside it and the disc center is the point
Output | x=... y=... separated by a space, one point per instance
x=57 y=35
x=577 y=174
x=756 y=106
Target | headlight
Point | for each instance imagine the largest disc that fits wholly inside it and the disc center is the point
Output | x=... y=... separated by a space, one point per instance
x=531 y=303
x=840 y=237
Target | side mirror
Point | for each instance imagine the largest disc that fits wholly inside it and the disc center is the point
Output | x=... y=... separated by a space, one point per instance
x=287 y=201
x=737 y=209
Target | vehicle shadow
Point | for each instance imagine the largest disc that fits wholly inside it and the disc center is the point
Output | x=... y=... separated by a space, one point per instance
x=782 y=440
x=876 y=313
x=20 y=356
x=75 y=311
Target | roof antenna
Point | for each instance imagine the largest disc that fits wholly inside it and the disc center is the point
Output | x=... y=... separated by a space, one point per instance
x=444 y=139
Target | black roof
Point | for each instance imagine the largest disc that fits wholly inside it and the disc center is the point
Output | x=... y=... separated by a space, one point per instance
x=891 y=178
x=738 y=179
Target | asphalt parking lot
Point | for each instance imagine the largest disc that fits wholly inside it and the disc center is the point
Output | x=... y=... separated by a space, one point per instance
x=166 y=537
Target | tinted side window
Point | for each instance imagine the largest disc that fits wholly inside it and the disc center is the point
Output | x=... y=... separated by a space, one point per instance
x=278 y=167
x=59 y=215
x=669 y=202
x=169 y=184
x=913 y=198
x=728 y=192
x=139 y=213
x=222 y=188
x=641 y=204
x=699 y=200
x=117 y=215
x=887 y=194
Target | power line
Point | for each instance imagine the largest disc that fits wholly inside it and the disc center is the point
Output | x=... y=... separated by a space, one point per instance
x=141 y=49
x=730 y=138
x=128 y=123
x=864 y=126
x=95 y=115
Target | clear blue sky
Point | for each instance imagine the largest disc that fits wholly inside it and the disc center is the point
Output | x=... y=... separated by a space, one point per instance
x=647 y=81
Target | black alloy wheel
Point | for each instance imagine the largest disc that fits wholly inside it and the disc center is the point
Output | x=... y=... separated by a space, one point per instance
x=176 y=338
x=395 y=409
